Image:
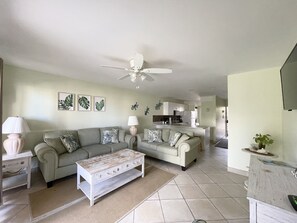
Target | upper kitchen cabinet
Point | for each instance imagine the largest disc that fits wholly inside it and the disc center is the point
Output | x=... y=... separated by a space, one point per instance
x=170 y=107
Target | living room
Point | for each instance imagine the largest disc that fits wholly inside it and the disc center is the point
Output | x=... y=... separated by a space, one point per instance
x=31 y=84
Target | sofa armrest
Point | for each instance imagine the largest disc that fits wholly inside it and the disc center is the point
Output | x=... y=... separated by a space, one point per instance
x=130 y=140
x=48 y=160
x=188 y=150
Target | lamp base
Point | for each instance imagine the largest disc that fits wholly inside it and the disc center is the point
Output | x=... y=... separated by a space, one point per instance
x=13 y=144
x=133 y=130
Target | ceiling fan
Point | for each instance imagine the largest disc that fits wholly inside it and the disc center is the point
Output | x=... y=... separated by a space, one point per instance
x=136 y=71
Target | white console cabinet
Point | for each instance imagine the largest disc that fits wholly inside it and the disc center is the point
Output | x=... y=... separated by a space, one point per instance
x=268 y=189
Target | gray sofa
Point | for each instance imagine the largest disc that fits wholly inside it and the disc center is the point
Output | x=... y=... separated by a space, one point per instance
x=55 y=164
x=185 y=153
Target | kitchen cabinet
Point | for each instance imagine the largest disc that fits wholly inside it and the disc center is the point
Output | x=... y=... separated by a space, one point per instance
x=169 y=107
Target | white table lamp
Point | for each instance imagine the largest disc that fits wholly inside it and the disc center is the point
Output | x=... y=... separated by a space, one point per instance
x=14 y=126
x=133 y=121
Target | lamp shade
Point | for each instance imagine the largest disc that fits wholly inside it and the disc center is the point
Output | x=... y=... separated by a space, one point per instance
x=132 y=121
x=15 y=125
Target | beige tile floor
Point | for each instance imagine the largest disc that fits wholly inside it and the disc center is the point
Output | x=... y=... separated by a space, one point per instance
x=205 y=191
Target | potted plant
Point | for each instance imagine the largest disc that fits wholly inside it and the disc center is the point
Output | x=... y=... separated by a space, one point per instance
x=263 y=140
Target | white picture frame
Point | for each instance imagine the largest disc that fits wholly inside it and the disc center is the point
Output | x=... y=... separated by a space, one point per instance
x=66 y=101
x=99 y=104
x=84 y=102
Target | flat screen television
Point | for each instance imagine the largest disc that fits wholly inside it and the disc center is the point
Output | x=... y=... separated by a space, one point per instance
x=288 y=75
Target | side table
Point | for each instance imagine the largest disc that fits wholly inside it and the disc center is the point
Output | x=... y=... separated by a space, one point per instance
x=14 y=166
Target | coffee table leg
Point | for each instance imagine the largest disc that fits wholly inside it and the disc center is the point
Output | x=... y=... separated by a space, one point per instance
x=78 y=179
x=142 y=168
x=91 y=195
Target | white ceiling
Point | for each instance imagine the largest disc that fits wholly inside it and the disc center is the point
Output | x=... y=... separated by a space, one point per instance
x=201 y=40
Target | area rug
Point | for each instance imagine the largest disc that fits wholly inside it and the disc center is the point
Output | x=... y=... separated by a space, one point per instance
x=223 y=143
x=64 y=203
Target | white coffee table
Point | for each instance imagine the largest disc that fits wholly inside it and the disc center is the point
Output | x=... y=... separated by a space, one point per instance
x=103 y=174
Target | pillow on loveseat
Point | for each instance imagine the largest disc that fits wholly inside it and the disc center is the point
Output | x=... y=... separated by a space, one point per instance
x=57 y=144
x=174 y=137
x=154 y=135
x=110 y=136
x=70 y=143
x=183 y=138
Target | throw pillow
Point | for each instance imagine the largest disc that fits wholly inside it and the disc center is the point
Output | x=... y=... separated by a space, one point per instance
x=57 y=144
x=183 y=138
x=174 y=137
x=110 y=136
x=69 y=142
x=154 y=135
x=122 y=134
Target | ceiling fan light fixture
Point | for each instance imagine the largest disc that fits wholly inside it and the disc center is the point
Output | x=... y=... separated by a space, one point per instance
x=133 y=77
x=142 y=77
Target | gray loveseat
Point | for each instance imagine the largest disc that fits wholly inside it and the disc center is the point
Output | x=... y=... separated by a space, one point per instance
x=55 y=163
x=182 y=154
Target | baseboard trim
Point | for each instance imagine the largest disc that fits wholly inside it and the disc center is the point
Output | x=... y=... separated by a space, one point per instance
x=237 y=171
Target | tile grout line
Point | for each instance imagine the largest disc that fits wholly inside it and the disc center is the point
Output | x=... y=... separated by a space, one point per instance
x=186 y=201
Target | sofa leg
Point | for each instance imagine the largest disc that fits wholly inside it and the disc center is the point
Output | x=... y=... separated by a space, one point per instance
x=195 y=160
x=184 y=168
x=50 y=184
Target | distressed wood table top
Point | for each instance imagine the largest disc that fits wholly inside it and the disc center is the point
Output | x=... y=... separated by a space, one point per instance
x=104 y=162
x=271 y=184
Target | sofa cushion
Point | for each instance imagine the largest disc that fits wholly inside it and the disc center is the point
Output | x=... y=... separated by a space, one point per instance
x=57 y=144
x=165 y=135
x=122 y=134
x=66 y=159
x=154 y=135
x=96 y=150
x=110 y=136
x=117 y=146
x=70 y=142
x=167 y=149
x=183 y=138
x=58 y=133
x=174 y=137
x=88 y=136
x=147 y=145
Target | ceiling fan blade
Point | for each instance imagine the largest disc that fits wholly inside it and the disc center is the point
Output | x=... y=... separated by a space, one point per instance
x=122 y=78
x=119 y=68
x=148 y=77
x=138 y=61
x=156 y=71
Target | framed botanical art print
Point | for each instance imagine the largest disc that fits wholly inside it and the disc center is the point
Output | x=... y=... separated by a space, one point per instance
x=66 y=101
x=99 y=103
x=83 y=102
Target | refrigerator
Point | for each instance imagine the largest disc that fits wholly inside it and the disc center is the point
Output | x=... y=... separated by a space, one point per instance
x=189 y=118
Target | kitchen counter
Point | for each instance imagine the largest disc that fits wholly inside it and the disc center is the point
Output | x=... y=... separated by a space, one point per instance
x=182 y=124
x=202 y=131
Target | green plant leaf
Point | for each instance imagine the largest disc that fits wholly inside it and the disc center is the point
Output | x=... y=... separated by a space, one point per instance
x=100 y=105
x=69 y=101
x=84 y=102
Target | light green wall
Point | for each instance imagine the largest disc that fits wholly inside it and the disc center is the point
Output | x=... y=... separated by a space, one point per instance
x=33 y=95
x=255 y=106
